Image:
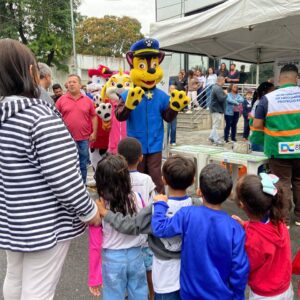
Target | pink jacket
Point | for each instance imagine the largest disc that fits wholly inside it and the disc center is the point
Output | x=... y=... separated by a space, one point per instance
x=117 y=132
x=95 y=259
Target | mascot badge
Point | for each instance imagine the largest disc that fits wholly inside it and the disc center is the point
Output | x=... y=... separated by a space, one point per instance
x=145 y=106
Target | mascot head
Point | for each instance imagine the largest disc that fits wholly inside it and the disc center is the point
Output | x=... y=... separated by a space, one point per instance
x=116 y=85
x=144 y=59
x=99 y=77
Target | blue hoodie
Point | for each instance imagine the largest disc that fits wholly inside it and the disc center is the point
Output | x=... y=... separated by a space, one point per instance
x=214 y=264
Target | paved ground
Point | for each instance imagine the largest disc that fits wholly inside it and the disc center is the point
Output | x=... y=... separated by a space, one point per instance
x=73 y=286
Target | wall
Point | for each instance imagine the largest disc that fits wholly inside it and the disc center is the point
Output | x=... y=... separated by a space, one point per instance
x=86 y=62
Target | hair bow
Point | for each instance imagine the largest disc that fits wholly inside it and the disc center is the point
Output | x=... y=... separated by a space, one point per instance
x=267 y=181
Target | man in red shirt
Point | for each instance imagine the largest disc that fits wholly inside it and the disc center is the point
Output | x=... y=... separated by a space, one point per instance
x=79 y=116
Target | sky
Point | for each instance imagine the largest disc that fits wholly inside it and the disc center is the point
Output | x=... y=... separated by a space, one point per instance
x=143 y=10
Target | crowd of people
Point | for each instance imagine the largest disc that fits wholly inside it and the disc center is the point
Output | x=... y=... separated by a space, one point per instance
x=143 y=245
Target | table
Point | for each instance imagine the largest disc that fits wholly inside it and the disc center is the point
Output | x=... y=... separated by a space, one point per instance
x=199 y=153
x=252 y=161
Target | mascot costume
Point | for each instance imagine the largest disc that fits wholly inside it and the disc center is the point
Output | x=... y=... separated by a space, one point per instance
x=145 y=106
x=114 y=87
x=98 y=148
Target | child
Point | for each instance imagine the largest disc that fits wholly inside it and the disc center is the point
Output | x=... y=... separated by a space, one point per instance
x=214 y=263
x=247 y=105
x=178 y=175
x=267 y=237
x=142 y=184
x=123 y=266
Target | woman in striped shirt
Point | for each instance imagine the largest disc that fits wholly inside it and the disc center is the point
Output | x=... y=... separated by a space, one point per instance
x=43 y=202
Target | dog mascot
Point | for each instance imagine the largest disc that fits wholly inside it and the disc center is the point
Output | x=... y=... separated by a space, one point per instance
x=98 y=148
x=114 y=87
x=145 y=106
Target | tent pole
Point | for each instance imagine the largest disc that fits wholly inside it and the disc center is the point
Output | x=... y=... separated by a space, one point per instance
x=258 y=57
x=257 y=74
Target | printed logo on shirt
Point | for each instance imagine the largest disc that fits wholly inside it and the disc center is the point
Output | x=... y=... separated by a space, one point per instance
x=289 y=148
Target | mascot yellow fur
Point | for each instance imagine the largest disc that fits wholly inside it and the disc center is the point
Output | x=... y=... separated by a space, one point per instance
x=116 y=85
x=145 y=106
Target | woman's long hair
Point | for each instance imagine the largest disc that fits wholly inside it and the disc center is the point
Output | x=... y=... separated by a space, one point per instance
x=18 y=70
x=263 y=89
x=114 y=184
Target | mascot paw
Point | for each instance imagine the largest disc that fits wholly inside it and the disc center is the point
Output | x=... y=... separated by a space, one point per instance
x=103 y=110
x=134 y=97
x=179 y=100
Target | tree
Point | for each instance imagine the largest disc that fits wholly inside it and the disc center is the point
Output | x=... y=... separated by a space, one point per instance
x=107 y=36
x=43 y=25
x=265 y=72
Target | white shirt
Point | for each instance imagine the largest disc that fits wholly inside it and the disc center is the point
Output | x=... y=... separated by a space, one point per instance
x=113 y=239
x=211 y=79
x=202 y=81
x=165 y=273
x=143 y=185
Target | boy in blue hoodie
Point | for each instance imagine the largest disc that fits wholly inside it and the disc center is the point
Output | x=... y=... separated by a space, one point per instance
x=214 y=264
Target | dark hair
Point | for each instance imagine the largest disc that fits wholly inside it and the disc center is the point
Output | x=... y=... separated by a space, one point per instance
x=215 y=183
x=263 y=89
x=289 y=68
x=191 y=73
x=249 y=191
x=56 y=86
x=223 y=64
x=114 y=185
x=179 y=172
x=229 y=89
x=131 y=149
x=16 y=60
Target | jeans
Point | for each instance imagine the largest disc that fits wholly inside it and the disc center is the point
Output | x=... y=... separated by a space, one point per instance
x=231 y=124
x=168 y=296
x=246 y=128
x=124 y=270
x=172 y=131
x=216 y=123
x=83 y=152
x=208 y=93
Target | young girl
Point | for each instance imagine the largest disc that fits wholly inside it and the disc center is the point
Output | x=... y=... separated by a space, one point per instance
x=267 y=237
x=122 y=262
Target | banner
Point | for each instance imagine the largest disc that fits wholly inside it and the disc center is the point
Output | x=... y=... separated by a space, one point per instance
x=280 y=62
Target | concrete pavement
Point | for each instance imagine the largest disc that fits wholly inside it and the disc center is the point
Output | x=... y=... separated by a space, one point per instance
x=73 y=282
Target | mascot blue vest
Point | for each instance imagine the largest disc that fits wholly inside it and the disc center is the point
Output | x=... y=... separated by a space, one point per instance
x=145 y=106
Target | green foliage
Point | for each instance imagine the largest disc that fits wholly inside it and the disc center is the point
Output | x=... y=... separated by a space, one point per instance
x=266 y=72
x=107 y=36
x=43 y=25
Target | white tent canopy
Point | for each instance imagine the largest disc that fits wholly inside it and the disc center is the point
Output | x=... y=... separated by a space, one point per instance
x=254 y=31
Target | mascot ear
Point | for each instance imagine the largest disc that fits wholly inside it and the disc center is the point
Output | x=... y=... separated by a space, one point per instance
x=129 y=57
x=103 y=93
x=161 y=56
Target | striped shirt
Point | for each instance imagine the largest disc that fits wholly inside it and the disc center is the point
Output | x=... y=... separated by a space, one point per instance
x=42 y=197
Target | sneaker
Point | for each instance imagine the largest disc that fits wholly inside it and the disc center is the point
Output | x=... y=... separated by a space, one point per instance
x=297 y=223
x=211 y=140
x=189 y=112
x=91 y=184
x=173 y=144
x=219 y=143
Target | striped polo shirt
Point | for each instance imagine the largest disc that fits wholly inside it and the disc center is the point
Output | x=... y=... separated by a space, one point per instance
x=42 y=197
